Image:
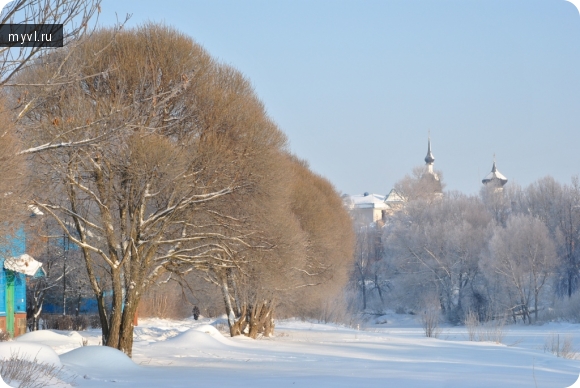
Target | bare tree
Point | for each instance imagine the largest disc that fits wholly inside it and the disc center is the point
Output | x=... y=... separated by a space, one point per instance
x=63 y=282
x=252 y=290
x=302 y=257
x=166 y=139
x=13 y=177
x=329 y=241
x=75 y=16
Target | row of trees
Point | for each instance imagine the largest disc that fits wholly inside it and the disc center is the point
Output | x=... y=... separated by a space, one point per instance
x=507 y=251
x=157 y=162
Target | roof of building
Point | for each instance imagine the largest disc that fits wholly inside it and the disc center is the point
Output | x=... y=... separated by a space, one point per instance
x=35 y=211
x=494 y=175
x=366 y=201
x=24 y=264
x=394 y=197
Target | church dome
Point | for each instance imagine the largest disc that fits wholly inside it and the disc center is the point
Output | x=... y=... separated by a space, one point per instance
x=495 y=177
x=429 y=159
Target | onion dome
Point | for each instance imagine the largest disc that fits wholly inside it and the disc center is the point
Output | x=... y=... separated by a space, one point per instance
x=429 y=159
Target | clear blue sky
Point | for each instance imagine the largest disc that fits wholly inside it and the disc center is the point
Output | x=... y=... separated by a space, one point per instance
x=356 y=85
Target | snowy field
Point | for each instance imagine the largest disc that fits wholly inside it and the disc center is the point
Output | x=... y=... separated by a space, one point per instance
x=302 y=354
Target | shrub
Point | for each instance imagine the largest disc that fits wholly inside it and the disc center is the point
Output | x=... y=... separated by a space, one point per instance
x=22 y=373
x=94 y=321
x=560 y=347
x=430 y=317
x=4 y=336
x=66 y=322
x=491 y=329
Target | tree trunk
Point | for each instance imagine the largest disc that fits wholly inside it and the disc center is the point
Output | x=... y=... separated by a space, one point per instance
x=237 y=305
x=379 y=288
x=36 y=315
x=228 y=305
x=127 y=326
x=102 y=308
x=364 y=294
x=261 y=319
x=78 y=309
x=116 y=315
x=570 y=275
x=241 y=323
x=536 y=294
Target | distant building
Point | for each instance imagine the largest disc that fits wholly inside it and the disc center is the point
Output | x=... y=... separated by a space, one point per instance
x=494 y=179
x=370 y=208
x=430 y=159
x=430 y=181
x=15 y=265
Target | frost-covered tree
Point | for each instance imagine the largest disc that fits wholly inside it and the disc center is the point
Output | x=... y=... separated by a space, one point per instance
x=558 y=207
x=367 y=257
x=436 y=246
x=523 y=253
x=421 y=183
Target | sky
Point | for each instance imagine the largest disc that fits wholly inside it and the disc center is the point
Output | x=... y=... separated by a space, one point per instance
x=357 y=85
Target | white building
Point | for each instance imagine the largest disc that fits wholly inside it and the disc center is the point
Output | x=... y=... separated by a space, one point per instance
x=368 y=208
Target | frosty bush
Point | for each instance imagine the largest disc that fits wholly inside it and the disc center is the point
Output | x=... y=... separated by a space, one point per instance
x=491 y=329
x=430 y=320
x=560 y=346
x=22 y=373
x=567 y=309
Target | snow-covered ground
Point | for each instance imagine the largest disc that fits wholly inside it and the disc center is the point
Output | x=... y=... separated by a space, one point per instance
x=303 y=354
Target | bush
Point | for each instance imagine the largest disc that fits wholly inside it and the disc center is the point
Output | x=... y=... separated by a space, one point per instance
x=22 y=373
x=4 y=336
x=565 y=308
x=94 y=321
x=430 y=317
x=491 y=329
x=67 y=322
x=560 y=347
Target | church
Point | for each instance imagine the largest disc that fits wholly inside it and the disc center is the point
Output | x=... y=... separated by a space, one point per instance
x=370 y=208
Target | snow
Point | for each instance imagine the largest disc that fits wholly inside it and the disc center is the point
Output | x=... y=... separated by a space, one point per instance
x=35 y=211
x=60 y=343
x=98 y=357
x=391 y=350
x=203 y=337
x=24 y=264
x=29 y=351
